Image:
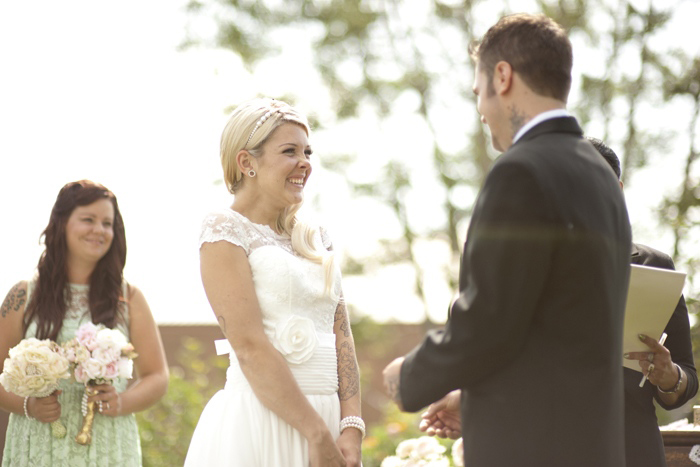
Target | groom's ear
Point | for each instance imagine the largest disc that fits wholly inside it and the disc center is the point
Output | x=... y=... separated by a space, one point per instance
x=502 y=77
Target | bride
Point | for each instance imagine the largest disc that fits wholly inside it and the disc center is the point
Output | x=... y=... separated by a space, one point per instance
x=292 y=395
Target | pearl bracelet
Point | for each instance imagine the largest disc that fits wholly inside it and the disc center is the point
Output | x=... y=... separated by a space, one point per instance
x=26 y=412
x=353 y=422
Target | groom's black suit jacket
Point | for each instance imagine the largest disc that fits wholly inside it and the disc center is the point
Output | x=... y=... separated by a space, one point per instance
x=535 y=338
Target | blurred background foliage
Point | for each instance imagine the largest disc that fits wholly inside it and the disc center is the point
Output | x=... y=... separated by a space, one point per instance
x=375 y=55
x=167 y=427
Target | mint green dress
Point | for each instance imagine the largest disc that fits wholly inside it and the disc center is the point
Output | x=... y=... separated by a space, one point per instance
x=115 y=440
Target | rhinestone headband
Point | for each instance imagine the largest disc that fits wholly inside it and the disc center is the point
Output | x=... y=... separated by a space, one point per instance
x=259 y=124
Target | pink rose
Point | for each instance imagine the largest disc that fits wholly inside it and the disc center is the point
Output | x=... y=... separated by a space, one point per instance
x=86 y=335
x=80 y=375
x=111 y=371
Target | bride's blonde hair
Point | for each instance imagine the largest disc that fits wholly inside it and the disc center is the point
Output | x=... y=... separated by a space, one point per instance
x=249 y=128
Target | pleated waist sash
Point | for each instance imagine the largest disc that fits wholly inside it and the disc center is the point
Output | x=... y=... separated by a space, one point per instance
x=316 y=376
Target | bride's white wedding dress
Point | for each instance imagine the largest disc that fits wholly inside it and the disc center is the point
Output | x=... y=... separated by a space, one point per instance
x=235 y=428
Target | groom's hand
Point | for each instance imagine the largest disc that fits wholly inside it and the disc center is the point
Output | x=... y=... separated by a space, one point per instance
x=392 y=380
x=443 y=418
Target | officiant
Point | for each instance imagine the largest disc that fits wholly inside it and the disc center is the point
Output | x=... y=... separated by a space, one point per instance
x=671 y=376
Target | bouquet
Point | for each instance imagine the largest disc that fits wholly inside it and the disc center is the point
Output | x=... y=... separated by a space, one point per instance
x=425 y=451
x=34 y=369
x=98 y=355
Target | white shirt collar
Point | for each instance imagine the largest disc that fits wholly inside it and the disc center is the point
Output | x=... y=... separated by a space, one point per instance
x=556 y=113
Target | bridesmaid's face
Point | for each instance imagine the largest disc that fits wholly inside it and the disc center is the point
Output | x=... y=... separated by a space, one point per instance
x=89 y=231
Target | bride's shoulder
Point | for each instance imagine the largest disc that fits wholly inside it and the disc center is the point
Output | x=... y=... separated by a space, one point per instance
x=227 y=225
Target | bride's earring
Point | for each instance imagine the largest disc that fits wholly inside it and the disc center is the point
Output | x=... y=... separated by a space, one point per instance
x=251 y=173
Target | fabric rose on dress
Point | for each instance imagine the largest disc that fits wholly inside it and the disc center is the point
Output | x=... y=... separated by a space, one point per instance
x=296 y=339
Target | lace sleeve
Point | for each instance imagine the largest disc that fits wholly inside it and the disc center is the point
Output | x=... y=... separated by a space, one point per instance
x=223 y=225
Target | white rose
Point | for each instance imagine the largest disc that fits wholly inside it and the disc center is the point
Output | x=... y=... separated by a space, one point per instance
x=38 y=355
x=104 y=356
x=58 y=368
x=392 y=461
x=111 y=339
x=125 y=368
x=93 y=369
x=296 y=339
x=38 y=384
x=458 y=453
x=427 y=446
x=405 y=448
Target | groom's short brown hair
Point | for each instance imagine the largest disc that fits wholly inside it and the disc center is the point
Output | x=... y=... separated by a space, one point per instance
x=535 y=46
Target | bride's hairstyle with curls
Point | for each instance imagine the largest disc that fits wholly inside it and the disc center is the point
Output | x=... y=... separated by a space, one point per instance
x=51 y=293
x=249 y=128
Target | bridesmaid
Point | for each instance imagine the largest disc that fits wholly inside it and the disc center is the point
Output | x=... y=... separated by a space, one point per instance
x=79 y=279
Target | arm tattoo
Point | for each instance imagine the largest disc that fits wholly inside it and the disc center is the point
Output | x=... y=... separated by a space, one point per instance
x=342 y=315
x=348 y=374
x=14 y=300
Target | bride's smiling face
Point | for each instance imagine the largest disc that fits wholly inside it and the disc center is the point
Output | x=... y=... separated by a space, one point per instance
x=285 y=166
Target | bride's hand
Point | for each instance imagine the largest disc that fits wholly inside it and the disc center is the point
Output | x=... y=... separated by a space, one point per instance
x=325 y=453
x=350 y=442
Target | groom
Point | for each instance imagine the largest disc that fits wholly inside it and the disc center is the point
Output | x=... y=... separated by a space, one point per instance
x=534 y=340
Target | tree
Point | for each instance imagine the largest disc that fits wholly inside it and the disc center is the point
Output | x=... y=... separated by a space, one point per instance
x=409 y=60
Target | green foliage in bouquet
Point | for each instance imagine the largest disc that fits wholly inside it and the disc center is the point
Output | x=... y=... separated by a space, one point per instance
x=167 y=427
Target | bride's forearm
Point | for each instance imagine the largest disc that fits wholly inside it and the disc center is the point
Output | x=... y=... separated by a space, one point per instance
x=272 y=382
x=348 y=370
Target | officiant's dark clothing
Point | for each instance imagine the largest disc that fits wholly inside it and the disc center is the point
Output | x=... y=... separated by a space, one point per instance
x=535 y=338
x=643 y=443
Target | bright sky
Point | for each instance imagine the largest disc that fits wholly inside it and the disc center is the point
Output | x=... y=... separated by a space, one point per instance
x=99 y=90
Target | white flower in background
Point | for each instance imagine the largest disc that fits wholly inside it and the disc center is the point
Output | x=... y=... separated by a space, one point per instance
x=427 y=446
x=458 y=453
x=405 y=448
x=425 y=451
x=296 y=339
x=392 y=461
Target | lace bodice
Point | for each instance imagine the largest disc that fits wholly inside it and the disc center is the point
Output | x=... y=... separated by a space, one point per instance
x=286 y=283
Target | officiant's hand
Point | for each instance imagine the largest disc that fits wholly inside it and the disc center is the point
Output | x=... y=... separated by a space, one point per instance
x=392 y=380
x=45 y=409
x=656 y=364
x=443 y=418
